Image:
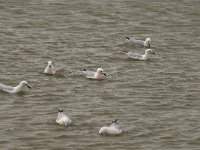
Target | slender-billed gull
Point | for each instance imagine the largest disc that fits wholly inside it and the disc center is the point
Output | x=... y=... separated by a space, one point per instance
x=113 y=129
x=13 y=90
x=63 y=119
x=140 y=43
x=50 y=68
x=98 y=75
x=137 y=56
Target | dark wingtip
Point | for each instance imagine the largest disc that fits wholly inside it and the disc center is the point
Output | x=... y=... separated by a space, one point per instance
x=84 y=69
x=60 y=110
x=114 y=121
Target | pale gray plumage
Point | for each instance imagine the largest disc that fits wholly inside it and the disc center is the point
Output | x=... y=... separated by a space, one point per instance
x=138 y=56
x=63 y=119
x=98 y=75
x=113 y=129
x=13 y=90
x=50 y=68
x=139 y=43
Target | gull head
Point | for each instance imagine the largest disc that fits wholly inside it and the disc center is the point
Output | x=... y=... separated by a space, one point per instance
x=100 y=71
x=50 y=63
x=147 y=42
x=149 y=51
x=25 y=83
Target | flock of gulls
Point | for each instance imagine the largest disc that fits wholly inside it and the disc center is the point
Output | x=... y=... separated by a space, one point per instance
x=62 y=118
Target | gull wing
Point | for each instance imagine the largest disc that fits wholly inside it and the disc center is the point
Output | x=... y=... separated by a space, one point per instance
x=6 y=88
x=89 y=74
x=136 y=42
x=134 y=55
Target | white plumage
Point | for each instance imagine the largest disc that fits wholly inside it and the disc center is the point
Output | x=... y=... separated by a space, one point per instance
x=98 y=75
x=140 y=43
x=13 y=90
x=50 y=68
x=63 y=119
x=113 y=129
x=137 y=56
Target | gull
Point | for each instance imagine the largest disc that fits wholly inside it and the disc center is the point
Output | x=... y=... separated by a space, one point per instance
x=113 y=129
x=50 y=69
x=137 y=56
x=13 y=90
x=140 y=43
x=63 y=119
x=98 y=75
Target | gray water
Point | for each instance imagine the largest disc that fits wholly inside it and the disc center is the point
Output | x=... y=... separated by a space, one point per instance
x=157 y=102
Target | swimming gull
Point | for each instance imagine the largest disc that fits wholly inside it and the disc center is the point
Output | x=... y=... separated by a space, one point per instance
x=140 y=43
x=63 y=119
x=50 y=68
x=113 y=129
x=98 y=75
x=137 y=56
x=13 y=90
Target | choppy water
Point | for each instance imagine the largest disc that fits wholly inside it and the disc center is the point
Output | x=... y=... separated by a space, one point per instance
x=157 y=102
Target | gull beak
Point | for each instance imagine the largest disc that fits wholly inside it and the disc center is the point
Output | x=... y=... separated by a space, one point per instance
x=114 y=120
x=127 y=38
x=51 y=64
x=154 y=53
x=60 y=111
x=28 y=86
x=104 y=74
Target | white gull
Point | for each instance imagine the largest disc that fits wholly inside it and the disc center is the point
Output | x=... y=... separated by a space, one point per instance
x=113 y=129
x=50 y=68
x=145 y=56
x=13 y=90
x=63 y=119
x=140 y=43
x=98 y=75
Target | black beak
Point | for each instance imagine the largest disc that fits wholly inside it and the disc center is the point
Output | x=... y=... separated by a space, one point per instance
x=28 y=86
x=115 y=121
x=104 y=74
x=60 y=111
x=154 y=53
x=127 y=38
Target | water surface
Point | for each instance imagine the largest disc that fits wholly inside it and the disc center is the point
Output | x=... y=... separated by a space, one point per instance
x=156 y=102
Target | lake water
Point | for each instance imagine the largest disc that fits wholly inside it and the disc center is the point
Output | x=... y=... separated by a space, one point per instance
x=157 y=102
